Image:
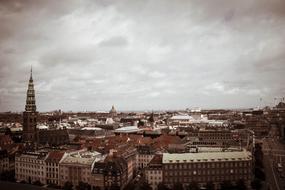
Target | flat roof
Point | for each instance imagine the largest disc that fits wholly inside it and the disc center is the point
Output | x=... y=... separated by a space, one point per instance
x=127 y=129
x=82 y=157
x=206 y=157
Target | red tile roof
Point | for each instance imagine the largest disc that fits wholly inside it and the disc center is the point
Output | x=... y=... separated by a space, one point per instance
x=55 y=156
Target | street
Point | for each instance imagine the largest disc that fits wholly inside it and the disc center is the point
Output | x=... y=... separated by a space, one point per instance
x=274 y=153
x=11 y=185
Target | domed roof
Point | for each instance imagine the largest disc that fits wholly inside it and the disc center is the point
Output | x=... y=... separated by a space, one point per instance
x=113 y=110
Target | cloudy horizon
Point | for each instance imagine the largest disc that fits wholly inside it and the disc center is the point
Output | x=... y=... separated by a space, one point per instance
x=142 y=55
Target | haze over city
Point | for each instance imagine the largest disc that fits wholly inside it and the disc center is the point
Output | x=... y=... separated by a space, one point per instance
x=138 y=55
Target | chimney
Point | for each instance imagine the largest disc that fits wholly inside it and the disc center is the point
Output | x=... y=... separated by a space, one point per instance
x=113 y=153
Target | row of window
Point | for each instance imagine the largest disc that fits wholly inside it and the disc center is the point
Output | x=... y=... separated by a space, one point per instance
x=155 y=177
x=52 y=175
x=207 y=172
x=155 y=171
x=25 y=177
x=206 y=165
x=52 y=169
x=32 y=172
x=51 y=164
x=29 y=166
x=204 y=179
x=29 y=160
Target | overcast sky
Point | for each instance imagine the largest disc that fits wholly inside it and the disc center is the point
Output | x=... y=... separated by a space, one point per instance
x=137 y=55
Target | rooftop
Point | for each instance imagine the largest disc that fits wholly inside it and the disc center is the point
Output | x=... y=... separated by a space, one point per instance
x=156 y=161
x=82 y=157
x=181 y=117
x=206 y=157
x=128 y=129
x=55 y=156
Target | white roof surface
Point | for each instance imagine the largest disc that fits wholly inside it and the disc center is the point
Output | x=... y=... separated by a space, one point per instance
x=82 y=157
x=181 y=117
x=91 y=128
x=206 y=157
x=127 y=129
x=42 y=127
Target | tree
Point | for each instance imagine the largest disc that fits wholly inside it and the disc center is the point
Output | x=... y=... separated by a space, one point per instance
x=83 y=186
x=114 y=187
x=256 y=184
x=38 y=183
x=241 y=185
x=210 y=186
x=54 y=186
x=259 y=174
x=177 y=186
x=140 y=123
x=68 y=186
x=130 y=186
x=161 y=186
x=8 y=176
x=193 y=186
x=145 y=186
x=226 y=185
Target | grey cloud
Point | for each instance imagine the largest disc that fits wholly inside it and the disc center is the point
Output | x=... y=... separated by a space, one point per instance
x=141 y=54
x=117 y=41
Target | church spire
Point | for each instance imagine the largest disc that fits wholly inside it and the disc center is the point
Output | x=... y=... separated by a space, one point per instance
x=31 y=75
x=31 y=100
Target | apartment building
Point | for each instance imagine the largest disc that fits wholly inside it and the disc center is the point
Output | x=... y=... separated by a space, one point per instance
x=52 y=167
x=30 y=167
x=111 y=172
x=76 y=166
x=153 y=172
x=129 y=153
x=144 y=156
x=203 y=167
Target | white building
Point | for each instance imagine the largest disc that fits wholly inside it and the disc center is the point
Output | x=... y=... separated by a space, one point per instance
x=76 y=166
x=31 y=167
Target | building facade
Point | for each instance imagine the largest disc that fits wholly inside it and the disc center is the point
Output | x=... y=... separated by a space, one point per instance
x=129 y=153
x=204 y=167
x=111 y=172
x=53 y=137
x=153 y=172
x=76 y=167
x=30 y=167
x=144 y=156
x=52 y=167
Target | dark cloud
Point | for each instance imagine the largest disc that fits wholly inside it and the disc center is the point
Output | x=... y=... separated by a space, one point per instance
x=141 y=54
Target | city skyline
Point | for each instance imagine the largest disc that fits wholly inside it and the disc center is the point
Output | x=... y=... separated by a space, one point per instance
x=152 y=55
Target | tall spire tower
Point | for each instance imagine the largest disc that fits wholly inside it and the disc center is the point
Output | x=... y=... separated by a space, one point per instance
x=30 y=114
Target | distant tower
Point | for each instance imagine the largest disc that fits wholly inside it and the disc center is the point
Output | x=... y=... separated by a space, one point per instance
x=113 y=111
x=151 y=119
x=30 y=114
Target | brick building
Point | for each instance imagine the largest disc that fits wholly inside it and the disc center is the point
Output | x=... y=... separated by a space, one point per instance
x=203 y=167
